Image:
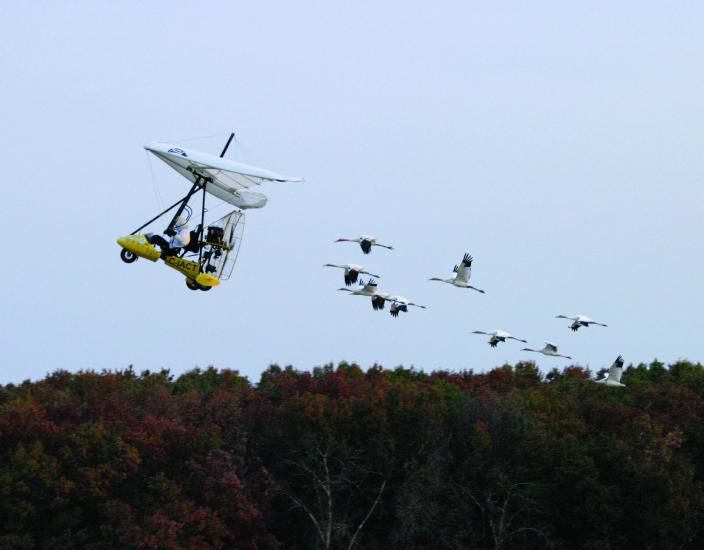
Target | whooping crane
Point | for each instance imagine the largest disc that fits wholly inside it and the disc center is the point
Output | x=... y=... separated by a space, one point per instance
x=352 y=272
x=498 y=336
x=613 y=377
x=369 y=289
x=463 y=272
x=399 y=303
x=365 y=242
x=549 y=349
x=579 y=321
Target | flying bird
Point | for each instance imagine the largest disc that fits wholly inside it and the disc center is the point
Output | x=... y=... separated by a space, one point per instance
x=498 y=336
x=463 y=272
x=579 y=321
x=549 y=349
x=399 y=303
x=352 y=272
x=365 y=242
x=369 y=288
x=613 y=377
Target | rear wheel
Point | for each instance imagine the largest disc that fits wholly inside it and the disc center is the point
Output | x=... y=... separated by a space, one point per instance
x=192 y=284
x=128 y=256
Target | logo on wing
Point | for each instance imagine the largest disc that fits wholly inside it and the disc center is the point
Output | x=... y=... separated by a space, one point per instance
x=178 y=151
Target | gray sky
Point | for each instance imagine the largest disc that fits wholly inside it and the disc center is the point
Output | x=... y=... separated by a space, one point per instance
x=559 y=144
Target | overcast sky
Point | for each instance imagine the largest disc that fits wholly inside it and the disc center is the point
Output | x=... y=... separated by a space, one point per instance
x=561 y=145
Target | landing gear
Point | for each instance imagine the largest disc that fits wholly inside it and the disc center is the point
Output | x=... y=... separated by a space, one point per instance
x=127 y=256
x=190 y=283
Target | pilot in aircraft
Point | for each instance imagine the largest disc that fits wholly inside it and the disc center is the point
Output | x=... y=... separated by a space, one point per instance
x=180 y=238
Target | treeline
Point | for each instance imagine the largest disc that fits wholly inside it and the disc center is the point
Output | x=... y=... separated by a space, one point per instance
x=342 y=458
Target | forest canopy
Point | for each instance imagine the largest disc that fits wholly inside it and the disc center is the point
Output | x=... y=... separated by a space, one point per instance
x=341 y=457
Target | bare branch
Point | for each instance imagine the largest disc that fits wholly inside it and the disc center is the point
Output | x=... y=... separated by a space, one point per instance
x=369 y=513
x=300 y=504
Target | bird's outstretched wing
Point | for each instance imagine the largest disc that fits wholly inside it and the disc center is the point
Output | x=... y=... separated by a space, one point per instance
x=616 y=370
x=464 y=269
x=369 y=285
x=351 y=276
x=550 y=346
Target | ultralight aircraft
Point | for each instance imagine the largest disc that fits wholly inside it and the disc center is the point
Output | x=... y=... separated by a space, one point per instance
x=212 y=251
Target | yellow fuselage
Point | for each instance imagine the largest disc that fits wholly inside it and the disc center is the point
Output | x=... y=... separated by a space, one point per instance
x=137 y=244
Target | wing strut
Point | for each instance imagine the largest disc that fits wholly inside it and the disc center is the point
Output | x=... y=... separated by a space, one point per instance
x=182 y=202
x=202 y=213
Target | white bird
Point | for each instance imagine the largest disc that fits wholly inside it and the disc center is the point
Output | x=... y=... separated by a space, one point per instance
x=463 y=272
x=613 y=378
x=370 y=289
x=365 y=242
x=399 y=303
x=549 y=349
x=498 y=336
x=579 y=321
x=352 y=272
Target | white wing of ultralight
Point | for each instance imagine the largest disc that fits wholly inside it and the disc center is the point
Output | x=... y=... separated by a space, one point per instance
x=227 y=179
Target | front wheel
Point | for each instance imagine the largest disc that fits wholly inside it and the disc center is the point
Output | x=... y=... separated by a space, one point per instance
x=128 y=256
x=192 y=284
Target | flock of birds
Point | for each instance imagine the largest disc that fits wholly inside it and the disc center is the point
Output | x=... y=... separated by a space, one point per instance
x=462 y=273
